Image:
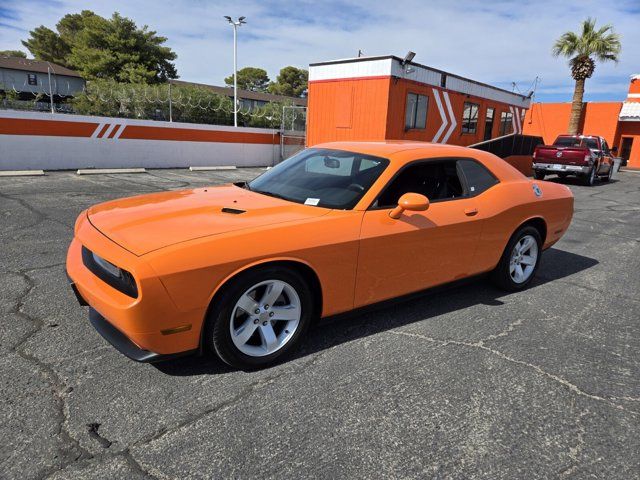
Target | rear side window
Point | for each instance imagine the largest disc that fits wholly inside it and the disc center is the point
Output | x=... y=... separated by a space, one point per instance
x=477 y=177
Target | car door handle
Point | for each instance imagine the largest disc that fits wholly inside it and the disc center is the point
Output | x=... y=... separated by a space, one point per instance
x=470 y=212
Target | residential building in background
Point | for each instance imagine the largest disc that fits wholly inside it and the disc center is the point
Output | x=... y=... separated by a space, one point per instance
x=248 y=99
x=28 y=78
x=617 y=122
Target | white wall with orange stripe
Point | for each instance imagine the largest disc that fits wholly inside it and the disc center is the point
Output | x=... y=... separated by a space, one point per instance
x=34 y=140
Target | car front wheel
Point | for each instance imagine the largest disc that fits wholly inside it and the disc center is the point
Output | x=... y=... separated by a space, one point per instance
x=520 y=260
x=259 y=317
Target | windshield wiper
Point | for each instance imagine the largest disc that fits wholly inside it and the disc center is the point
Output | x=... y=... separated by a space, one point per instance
x=272 y=194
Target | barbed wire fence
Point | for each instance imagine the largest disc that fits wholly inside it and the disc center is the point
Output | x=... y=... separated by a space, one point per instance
x=164 y=102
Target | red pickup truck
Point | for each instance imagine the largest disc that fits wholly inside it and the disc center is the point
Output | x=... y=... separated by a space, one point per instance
x=586 y=156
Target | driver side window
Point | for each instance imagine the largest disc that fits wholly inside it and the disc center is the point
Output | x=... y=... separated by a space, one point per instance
x=437 y=180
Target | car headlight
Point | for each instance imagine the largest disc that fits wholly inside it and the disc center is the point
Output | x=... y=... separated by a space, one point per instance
x=109 y=273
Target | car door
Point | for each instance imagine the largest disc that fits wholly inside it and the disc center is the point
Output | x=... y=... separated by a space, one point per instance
x=420 y=249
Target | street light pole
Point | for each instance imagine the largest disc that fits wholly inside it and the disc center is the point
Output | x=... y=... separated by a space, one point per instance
x=235 y=75
x=235 y=24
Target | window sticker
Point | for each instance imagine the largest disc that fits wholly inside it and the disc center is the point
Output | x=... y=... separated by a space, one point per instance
x=312 y=201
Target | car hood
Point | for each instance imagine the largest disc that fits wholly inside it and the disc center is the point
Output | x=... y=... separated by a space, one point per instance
x=148 y=222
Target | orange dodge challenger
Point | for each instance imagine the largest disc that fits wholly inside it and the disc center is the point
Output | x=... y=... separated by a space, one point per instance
x=242 y=269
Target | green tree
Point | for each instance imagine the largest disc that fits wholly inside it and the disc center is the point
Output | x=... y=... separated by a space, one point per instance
x=13 y=53
x=101 y=48
x=583 y=49
x=250 y=78
x=45 y=44
x=291 y=81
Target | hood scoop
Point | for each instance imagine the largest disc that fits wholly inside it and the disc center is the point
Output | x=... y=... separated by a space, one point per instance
x=233 y=211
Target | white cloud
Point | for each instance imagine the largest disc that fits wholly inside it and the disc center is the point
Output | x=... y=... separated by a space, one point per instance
x=492 y=41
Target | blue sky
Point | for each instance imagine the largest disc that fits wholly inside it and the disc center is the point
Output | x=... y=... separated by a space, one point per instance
x=493 y=41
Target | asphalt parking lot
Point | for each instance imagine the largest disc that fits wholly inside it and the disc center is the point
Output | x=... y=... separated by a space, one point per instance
x=465 y=383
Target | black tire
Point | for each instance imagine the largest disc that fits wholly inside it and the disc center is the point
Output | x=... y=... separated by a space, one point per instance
x=501 y=275
x=217 y=335
x=590 y=178
x=609 y=174
x=538 y=175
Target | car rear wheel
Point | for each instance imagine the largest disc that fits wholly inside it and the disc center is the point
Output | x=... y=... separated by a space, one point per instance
x=260 y=316
x=538 y=175
x=609 y=174
x=520 y=260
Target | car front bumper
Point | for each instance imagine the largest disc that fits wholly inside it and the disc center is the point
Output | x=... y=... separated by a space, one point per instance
x=560 y=168
x=147 y=328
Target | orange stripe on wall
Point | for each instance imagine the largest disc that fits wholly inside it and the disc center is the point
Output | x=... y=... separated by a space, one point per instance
x=114 y=131
x=61 y=128
x=104 y=130
x=135 y=132
x=55 y=128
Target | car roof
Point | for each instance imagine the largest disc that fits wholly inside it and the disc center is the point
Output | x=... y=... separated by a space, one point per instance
x=389 y=148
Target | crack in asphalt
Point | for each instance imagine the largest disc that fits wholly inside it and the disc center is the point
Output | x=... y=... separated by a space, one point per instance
x=246 y=392
x=75 y=452
x=59 y=390
x=556 y=378
x=40 y=216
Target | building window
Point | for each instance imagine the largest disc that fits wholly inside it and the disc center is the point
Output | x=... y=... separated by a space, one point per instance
x=416 y=111
x=506 y=123
x=488 y=123
x=470 y=117
x=32 y=79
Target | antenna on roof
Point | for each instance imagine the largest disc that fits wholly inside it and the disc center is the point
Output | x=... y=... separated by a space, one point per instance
x=360 y=53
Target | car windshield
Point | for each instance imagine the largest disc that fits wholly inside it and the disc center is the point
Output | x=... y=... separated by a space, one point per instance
x=576 y=142
x=322 y=177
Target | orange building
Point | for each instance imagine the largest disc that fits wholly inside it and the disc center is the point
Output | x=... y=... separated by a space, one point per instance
x=388 y=98
x=617 y=122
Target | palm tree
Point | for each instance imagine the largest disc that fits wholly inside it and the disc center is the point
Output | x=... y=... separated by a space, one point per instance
x=581 y=49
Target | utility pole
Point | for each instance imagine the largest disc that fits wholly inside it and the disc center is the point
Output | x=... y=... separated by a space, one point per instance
x=235 y=24
x=170 y=106
x=53 y=110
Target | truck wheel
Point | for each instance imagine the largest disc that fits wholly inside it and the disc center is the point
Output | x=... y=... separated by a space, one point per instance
x=609 y=174
x=590 y=178
x=538 y=174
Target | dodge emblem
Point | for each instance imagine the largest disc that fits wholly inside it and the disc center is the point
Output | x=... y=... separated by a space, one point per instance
x=559 y=153
x=536 y=190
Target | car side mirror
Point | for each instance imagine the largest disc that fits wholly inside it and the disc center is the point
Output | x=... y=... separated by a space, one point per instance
x=410 y=201
x=614 y=150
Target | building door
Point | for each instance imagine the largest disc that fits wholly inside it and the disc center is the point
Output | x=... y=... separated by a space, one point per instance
x=488 y=123
x=625 y=149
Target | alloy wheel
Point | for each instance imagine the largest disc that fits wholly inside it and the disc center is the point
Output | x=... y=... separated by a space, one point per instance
x=265 y=318
x=523 y=259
